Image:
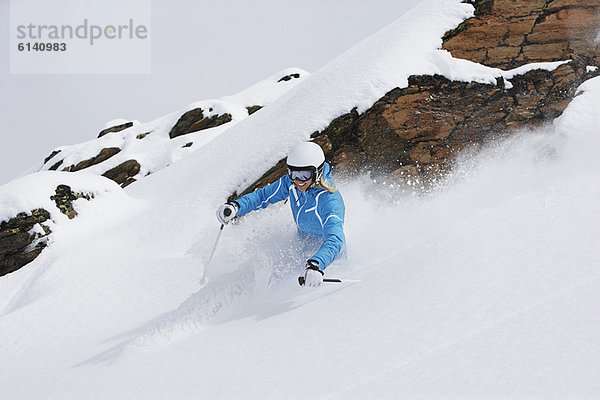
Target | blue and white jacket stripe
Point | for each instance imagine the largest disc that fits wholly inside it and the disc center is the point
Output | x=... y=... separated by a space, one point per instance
x=316 y=212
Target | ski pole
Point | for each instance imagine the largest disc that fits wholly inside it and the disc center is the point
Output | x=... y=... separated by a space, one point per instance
x=212 y=253
x=227 y=213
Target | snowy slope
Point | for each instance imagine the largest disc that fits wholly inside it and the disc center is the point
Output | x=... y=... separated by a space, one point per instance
x=487 y=287
x=149 y=142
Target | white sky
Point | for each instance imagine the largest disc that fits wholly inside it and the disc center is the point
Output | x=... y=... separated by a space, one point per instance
x=200 y=50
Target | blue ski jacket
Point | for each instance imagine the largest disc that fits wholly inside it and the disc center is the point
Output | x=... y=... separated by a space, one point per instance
x=316 y=211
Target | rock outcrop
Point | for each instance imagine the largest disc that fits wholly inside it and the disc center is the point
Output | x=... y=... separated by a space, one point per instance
x=253 y=109
x=413 y=133
x=55 y=152
x=289 y=77
x=19 y=242
x=194 y=120
x=424 y=125
x=23 y=237
x=117 y=128
x=123 y=173
x=509 y=33
x=64 y=198
x=104 y=155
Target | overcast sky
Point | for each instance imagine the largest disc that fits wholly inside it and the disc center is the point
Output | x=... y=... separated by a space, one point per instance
x=200 y=50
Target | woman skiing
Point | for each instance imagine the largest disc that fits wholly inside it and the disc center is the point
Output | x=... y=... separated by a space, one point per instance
x=317 y=207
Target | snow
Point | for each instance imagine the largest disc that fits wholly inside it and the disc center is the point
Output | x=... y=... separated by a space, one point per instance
x=118 y=121
x=31 y=191
x=485 y=287
x=547 y=66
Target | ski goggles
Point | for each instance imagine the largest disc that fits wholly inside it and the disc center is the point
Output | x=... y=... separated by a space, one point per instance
x=301 y=174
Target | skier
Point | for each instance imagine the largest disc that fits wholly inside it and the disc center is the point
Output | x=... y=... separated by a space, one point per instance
x=317 y=207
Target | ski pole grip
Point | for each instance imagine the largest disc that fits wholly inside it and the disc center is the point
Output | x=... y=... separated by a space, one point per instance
x=227 y=212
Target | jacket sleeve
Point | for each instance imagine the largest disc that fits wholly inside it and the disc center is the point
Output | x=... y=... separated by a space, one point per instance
x=332 y=213
x=261 y=198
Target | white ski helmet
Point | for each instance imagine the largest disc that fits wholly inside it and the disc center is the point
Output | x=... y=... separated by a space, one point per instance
x=305 y=155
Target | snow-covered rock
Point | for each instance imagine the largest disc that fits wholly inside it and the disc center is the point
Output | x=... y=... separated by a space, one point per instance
x=126 y=151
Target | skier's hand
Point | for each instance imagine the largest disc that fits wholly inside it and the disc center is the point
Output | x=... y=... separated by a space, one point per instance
x=226 y=212
x=312 y=275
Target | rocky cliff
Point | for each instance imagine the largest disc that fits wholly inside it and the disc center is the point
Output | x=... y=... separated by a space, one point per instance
x=414 y=132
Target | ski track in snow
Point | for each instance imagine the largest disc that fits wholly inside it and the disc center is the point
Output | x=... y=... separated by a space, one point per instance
x=268 y=276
